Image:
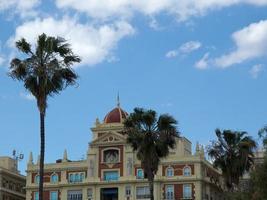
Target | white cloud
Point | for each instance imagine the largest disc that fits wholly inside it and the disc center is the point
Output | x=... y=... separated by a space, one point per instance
x=256 y=70
x=203 y=62
x=251 y=43
x=185 y=48
x=190 y=46
x=22 y=7
x=181 y=9
x=171 y=54
x=93 y=43
x=27 y=96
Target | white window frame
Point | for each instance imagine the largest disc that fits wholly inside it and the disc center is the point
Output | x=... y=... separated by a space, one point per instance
x=146 y=192
x=171 y=196
x=128 y=190
x=185 y=186
x=169 y=168
x=110 y=170
x=90 y=193
x=80 y=174
x=51 y=178
x=76 y=192
x=185 y=173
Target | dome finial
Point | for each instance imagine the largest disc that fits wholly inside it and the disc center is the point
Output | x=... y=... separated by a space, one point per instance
x=118 y=100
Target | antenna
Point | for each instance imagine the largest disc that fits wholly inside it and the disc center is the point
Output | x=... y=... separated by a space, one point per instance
x=118 y=99
x=17 y=157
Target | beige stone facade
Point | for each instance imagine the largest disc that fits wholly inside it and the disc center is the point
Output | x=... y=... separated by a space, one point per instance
x=111 y=171
x=12 y=184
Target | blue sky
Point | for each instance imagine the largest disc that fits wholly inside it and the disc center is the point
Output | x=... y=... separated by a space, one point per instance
x=204 y=62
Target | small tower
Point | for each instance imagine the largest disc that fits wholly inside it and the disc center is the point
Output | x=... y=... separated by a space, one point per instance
x=197 y=149
x=65 y=156
x=202 y=151
x=30 y=161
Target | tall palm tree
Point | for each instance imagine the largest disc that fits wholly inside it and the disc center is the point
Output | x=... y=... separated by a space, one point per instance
x=45 y=71
x=233 y=154
x=151 y=137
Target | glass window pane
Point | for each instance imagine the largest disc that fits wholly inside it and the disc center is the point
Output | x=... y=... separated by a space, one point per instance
x=54 y=178
x=169 y=192
x=36 y=195
x=187 y=191
x=140 y=173
x=187 y=171
x=111 y=175
x=75 y=195
x=54 y=195
x=37 y=179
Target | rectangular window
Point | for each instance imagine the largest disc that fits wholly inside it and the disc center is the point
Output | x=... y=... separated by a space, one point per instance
x=90 y=193
x=140 y=174
x=111 y=176
x=128 y=190
x=169 y=193
x=187 y=191
x=76 y=177
x=36 y=195
x=142 y=192
x=53 y=195
x=75 y=195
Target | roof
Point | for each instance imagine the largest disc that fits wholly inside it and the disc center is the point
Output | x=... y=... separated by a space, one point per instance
x=116 y=115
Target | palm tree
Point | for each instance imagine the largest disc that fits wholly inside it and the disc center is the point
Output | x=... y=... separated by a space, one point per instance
x=233 y=154
x=45 y=71
x=151 y=138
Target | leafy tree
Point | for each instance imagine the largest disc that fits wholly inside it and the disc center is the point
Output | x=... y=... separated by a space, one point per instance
x=151 y=137
x=45 y=71
x=263 y=134
x=259 y=173
x=259 y=181
x=233 y=154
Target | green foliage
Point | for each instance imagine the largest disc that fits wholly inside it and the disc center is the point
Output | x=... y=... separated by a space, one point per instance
x=263 y=134
x=259 y=181
x=46 y=70
x=151 y=138
x=233 y=154
x=238 y=196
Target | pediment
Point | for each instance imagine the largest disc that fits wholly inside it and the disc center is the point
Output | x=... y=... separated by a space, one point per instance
x=109 y=138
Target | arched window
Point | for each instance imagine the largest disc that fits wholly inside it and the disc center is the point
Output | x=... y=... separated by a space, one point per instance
x=54 y=178
x=170 y=172
x=187 y=171
x=140 y=173
x=37 y=179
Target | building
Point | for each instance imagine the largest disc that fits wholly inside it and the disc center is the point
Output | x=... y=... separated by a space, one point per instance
x=111 y=170
x=12 y=183
x=245 y=182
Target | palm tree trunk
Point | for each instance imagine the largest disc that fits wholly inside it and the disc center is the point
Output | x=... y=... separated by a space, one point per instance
x=42 y=151
x=151 y=188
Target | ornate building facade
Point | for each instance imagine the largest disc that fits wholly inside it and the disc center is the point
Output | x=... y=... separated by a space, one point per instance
x=111 y=171
x=12 y=183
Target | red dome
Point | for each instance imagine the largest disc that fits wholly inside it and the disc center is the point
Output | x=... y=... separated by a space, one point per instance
x=117 y=115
